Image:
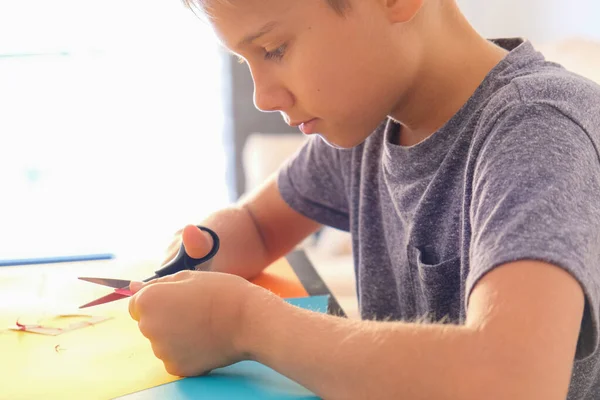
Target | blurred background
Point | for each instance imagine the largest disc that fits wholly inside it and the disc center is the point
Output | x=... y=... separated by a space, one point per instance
x=112 y=118
x=541 y=21
x=122 y=120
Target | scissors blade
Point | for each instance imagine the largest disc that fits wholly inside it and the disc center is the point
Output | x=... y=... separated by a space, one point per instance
x=117 y=295
x=113 y=283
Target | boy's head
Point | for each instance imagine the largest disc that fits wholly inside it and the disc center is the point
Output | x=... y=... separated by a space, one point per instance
x=338 y=66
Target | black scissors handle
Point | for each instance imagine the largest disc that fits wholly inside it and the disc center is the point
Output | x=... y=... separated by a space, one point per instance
x=182 y=261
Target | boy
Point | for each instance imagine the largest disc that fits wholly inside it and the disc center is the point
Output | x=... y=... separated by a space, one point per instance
x=468 y=173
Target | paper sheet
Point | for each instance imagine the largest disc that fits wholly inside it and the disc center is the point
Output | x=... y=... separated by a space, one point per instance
x=58 y=325
x=102 y=361
x=245 y=380
x=99 y=362
x=281 y=279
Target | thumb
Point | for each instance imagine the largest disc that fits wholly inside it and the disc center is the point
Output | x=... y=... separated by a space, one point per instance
x=137 y=286
x=196 y=242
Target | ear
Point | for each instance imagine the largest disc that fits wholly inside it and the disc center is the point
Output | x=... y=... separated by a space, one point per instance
x=400 y=11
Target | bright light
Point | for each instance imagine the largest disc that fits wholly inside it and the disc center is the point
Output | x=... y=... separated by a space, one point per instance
x=111 y=125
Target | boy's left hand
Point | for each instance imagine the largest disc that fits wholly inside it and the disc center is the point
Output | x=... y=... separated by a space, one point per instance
x=194 y=320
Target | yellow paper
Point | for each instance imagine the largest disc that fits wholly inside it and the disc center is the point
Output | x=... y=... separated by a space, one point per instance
x=59 y=324
x=103 y=361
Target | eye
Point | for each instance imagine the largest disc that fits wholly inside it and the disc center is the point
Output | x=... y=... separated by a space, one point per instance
x=276 y=54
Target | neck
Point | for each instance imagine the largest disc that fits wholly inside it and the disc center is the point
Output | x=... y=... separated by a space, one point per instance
x=456 y=61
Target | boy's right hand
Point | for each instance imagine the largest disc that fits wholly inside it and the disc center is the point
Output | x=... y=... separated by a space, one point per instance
x=197 y=243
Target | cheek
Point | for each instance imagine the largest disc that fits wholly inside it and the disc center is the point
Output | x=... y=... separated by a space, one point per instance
x=344 y=79
x=328 y=86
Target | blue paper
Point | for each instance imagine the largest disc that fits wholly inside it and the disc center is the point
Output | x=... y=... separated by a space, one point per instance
x=246 y=380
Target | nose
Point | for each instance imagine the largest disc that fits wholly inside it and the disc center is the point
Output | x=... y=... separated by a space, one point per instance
x=270 y=94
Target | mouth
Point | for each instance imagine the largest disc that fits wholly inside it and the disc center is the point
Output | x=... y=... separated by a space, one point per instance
x=307 y=127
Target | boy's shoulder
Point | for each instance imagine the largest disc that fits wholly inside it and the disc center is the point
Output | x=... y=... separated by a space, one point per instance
x=553 y=84
x=530 y=80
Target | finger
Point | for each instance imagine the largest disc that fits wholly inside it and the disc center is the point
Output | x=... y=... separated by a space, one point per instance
x=136 y=286
x=159 y=351
x=142 y=299
x=197 y=243
x=149 y=295
x=133 y=311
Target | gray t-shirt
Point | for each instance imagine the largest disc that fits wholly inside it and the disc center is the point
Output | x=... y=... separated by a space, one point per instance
x=515 y=174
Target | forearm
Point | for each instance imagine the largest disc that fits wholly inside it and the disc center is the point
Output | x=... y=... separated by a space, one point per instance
x=242 y=250
x=260 y=229
x=345 y=359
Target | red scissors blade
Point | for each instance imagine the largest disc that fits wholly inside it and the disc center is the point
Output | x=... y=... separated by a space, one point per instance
x=118 y=294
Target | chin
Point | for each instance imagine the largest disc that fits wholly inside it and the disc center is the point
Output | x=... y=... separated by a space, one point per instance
x=344 y=143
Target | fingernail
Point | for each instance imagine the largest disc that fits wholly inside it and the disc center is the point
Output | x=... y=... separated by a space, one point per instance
x=135 y=286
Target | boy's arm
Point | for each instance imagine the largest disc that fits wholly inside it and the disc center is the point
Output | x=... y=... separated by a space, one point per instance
x=518 y=343
x=258 y=230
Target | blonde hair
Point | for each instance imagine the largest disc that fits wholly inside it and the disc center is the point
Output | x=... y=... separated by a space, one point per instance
x=339 y=6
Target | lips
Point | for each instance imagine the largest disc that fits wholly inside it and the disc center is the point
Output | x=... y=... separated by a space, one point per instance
x=307 y=127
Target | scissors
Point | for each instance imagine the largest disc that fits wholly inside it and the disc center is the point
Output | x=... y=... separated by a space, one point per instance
x=182 y=261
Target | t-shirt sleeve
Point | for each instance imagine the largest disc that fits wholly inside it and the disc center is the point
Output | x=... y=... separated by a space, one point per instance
x=312 y=183
x=536 y=195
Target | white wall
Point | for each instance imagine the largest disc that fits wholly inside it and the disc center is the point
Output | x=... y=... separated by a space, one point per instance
x=538 y=20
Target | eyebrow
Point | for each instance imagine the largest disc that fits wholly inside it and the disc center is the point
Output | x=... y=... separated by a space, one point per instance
x=268 y=27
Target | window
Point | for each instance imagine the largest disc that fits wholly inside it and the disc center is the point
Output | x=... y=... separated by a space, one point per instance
x=111 y=126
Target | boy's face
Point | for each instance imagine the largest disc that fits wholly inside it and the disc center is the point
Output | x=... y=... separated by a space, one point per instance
x=339 y=75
